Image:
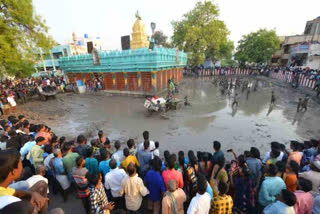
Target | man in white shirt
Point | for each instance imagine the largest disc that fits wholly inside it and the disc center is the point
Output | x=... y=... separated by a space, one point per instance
x=152 y=146
x=118 y=154
x=39 y=176
x=113 y=181
x=274 y=146
x=200 y=204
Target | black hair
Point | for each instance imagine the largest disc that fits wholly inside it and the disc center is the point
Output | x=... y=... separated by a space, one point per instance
x=281 y=167
x=145 y=135
x=131 y=169
x=62 y=139
x=130 y=143
x=255 y=153
x=192 y=158
x=18 y=126
x=314 y=142
x=33 y=128
x=181 y=158
x=48 y=148
x=126 y=152
x=20 y=117
x=12 y=133
x=241 y=160
x=11 y=118
x=67 y=146
x=156 y=144
x=295 y=167
x=202 y=184
x=156 y=164
x=79 y=160
x=166 y=155
x=272 y=170
x=107 y=142
x=205 y=158
x=9 y=160
x=275 y=145
x=89 y=151
x=81 y=138
x=275 y=153
x=216 y=145
x=306 y=185
x=25 y=123
x=171 y=161
x=21 y=207
x=146 y=144
x=117 y=145
x=222 y=187
x=288 y=197
x=295 y=145
x=94 y=178
x=39 y=139
x=113 y=164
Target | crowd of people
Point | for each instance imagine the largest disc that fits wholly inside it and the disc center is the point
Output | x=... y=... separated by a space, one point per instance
x=139 y=178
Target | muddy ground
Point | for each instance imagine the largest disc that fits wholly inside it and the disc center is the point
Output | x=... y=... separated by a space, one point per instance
x=210 y=117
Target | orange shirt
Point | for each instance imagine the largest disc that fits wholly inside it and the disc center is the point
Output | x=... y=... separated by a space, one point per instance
x=295 y=156
x=291 y=181
x=45 y=135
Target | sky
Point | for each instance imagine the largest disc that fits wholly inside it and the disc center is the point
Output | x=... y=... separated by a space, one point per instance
x=111 y=19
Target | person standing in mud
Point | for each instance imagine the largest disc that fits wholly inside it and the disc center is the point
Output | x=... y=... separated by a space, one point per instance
x=256 y=85
x=235 y=100
x=304 y=104
x=299 y=104
x=273 y=98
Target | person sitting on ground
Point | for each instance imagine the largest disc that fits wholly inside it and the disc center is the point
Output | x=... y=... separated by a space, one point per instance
x=201 y=202
x=282 y=206
x=170 y=172
x=132 y=147
x=304 y=198
x=155 y=185
x=113 y=181
x=98 y=198
x=144 y=158
x=129 y=159
x=133 y=189
x=91 y=163
x=118 y=154
x=10 y=170
x=82 y=147
x=35 y=155
x=270 y=187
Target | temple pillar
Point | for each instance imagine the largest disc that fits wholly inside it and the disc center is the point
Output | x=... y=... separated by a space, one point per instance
x=125 y=80
x=153 y=81
x=114 y=80
x=139 y=80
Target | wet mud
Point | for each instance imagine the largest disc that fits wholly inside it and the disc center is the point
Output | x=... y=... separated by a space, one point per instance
x=211 y=117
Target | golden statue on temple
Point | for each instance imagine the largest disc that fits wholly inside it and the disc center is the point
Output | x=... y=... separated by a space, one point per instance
x=139 y=37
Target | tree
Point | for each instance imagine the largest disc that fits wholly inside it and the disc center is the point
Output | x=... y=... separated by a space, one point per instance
x=160 y=39
x=257 y=47
x=202 y=35
x=22 y=34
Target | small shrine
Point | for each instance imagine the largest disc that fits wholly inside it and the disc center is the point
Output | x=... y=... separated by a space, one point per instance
x=139 y=36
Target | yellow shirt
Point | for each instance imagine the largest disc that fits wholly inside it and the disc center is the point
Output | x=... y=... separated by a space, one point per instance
x=221 y=205
x=130 y=159
x=6 y=191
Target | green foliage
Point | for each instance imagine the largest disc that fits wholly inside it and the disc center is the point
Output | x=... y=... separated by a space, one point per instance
x=202 y=35
x=257 y=47
x=160 y=39
x=22 y=33
x=229 y=62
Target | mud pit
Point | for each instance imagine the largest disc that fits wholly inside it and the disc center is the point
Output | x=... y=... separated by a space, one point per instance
x=210 y=117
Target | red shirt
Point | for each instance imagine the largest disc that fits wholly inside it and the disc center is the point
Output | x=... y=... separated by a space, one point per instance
x=172 y=175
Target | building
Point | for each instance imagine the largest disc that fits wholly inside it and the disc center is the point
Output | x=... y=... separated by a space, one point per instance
x=50 y=61
x=302 y=50
x=138 y=71
x=79 y=45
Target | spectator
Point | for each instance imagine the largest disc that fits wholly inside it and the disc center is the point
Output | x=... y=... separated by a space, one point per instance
x=284 y=205
x=113 y=181
x=41 y=132
x=222 y=204
x=191 y=181
x=26 y=147
x=104 y=167
x=254 y=164
x=80 y=174
x=91 y=163
x=171 y=174
x=152 y=146
x=155 y=185
x=132 y=147
x=60 y=173
x=217 y=152
x=144 y=158
x=129 y=159
x=118 y=154
x=295 y=155
x=173 y=199
x=39 y=176
x=35 y=155
x=133 y=189
x=200 y=204
x=314 y=176
x=101 y=138
x=275 y=146
x=98 y=198
x=219 y=173
x=69 y=160
x=304 y=198
x=82 y=147
x=270 y=187
x=156 y=151
x=291 y=176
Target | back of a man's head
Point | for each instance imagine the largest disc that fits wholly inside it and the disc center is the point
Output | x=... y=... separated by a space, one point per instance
x=131 y=169
x=145 y=135
x=216 y=145
x=117 y=145
x=201 y=184
x=223 y=188
x=113 y=164
x=288 y=197
x=40 y=170
x=81 y=139
x=126 y=152
x=171 y=161
x=146 y=144
x=21 y=207
x=9 y=161
x=272 y=170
